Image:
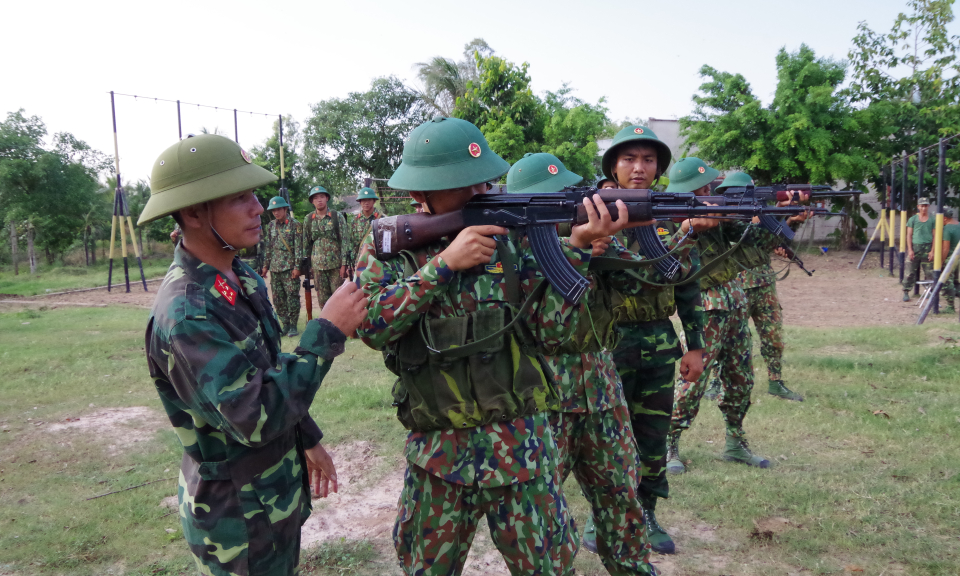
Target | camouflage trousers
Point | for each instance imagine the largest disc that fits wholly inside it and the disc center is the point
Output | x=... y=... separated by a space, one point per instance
x=920 y=254
x=649 y=393
x=326 y=282
x=286 y=298
x=598 y=448
x=949 y=291
x=529 y=524
x=767 y=317
x=728 y=351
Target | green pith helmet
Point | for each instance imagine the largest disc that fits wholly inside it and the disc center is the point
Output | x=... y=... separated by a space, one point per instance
x=367 y=194
x=277 y=202
x=199 y=169
x=635 y=134
x=735 y=180
x=317 y=190
x=539 y=173
x=414 y=203
x=689 y=174
x=446 y=153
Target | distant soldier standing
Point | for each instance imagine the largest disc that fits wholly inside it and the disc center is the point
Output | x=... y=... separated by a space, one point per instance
x=283 y=250
x=951 y=237
x=360 y=223
x=238 y=405
x=919 y=243
x=326 y=240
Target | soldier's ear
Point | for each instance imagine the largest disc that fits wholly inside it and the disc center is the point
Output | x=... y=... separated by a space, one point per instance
x=194 y=217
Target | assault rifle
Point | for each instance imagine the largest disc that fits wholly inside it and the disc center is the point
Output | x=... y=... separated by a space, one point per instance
x=539 y=214
x=307 y=274
x=778 y=192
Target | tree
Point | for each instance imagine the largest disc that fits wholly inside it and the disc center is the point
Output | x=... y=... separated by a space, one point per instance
x=267 y=155
x=809 y=133
x=571 y=132
x=909 y=79
x=360 y=135
x=444 y=79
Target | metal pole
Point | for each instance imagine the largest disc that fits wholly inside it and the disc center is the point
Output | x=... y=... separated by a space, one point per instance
x=283 y=188
x=113 y=226
x=947 y=271
x=904 y=202
x=179 y=123
x=892 y=211
x=236 y=129
x=921 y=168
x=938 y=231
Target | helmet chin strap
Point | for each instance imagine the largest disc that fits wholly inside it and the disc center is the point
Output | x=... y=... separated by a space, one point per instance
x=223 y=243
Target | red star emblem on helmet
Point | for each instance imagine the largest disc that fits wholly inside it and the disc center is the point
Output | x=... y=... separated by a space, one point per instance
x=474 y=149
x=246 y=157
x=701 y=169
x=552 y=169
x=638 y=130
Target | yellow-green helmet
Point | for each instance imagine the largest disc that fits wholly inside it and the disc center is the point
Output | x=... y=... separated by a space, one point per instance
x=446 y=153
x=734 y=180
x=539 y=173
x=277 y=202
x=367 y=194
x=199 y=169
x=689 y=174
x=635 y=135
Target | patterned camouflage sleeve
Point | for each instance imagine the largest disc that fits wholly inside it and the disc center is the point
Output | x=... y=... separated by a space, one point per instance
x=267 y=246
x=214 y=375
x=344 y=241
x=690 y=307
x=299 y=253
x=312 y=435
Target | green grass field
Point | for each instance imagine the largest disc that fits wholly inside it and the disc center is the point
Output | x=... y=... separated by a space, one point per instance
x=867 y=475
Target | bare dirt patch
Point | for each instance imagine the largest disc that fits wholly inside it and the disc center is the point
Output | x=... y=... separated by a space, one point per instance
x=118 y=429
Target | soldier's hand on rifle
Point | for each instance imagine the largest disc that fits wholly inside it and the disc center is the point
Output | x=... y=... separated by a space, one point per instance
x=779 y=251
x=600 y=245
x=346 y=309
x=295 y=274
x=795 y=197
x=472 y=246
x=599 y=222
x=700 y=224
x=321 y=471
x=799 y=217
x=691 y=365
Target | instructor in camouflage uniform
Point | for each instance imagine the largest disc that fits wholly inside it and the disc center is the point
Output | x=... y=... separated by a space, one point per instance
x=238 y=405
x=283 y=250
x=760 y=284
x=472 y=386
x=919 y=245
x=326 y=240
x=729 y=344
x=360 y=223
x=592 y=425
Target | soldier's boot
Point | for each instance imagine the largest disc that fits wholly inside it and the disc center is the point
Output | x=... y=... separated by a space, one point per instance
x=739 y=451
x=674 y=463
x=589 y=539
x=293 y=331
x=713 y=391
x=660 y=541
x=779 y=389
x=906 y=295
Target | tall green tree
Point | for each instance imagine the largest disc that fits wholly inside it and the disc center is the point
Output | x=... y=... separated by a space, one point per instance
x=346 y=139
x=267 y=155
x=445 y=79
x=571 y=131
x=909 y=78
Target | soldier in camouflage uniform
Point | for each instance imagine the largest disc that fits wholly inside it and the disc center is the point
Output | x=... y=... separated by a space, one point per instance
x=326 y=240
x=592 y=425
x=919 y=244
x=647 y=354
x=759 y=283
x=727 y=336
x=951 y=237
x=283 y=251
x=472 y=386
x=360 y=223
x=238 y=405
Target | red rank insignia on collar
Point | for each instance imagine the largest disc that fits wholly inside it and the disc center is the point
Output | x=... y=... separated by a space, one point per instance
x=223 y=288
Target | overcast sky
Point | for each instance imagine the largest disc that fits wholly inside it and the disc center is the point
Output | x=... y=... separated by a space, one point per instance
x=61 y=58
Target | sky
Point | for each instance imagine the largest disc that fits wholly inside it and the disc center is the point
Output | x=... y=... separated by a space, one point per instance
x=643 y=57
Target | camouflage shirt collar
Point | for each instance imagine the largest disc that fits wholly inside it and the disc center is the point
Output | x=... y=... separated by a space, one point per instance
x=206 y=275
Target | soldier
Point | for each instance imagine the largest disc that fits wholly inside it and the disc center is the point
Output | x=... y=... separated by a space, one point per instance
x=360 y=223
x=919 y=242
x=592 y=426
x=283 y=250
x=759 y=283
x=417 y=207
x=951 y=237
x=238 y=405
x=647 y=353
x=472 y=387
x=729 y=344
x=326 y=241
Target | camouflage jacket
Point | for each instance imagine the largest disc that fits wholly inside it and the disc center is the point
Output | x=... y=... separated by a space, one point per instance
x=495 y=454
x=753 y=255
x=283 y=245
x=650 y=338
x=239 y=408
x=327 y=249
x=359 y=228
x=722 y=288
